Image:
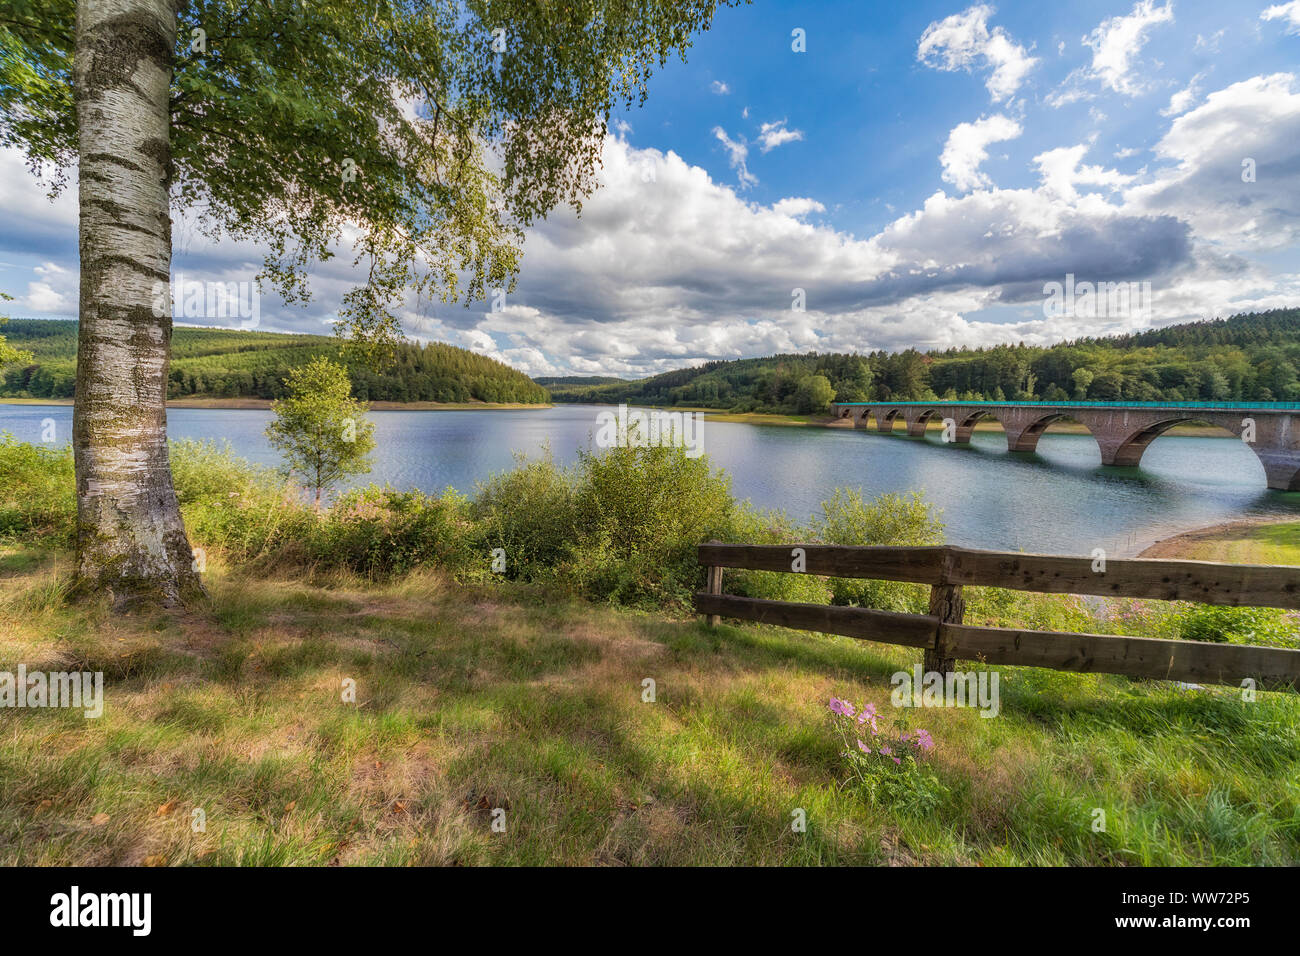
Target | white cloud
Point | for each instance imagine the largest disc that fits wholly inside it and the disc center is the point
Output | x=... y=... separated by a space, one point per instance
x=1290 y=12
x=1183 y=100
x=967 y=148
x=796 y=207
x=1257 y=120
x=722 y=89
x=963 y=41
x=737 y=155
x=772 y=135
x=1061 y=172
x=1117 y=42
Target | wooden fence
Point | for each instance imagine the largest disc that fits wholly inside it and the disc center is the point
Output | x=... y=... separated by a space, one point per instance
x=946 y=639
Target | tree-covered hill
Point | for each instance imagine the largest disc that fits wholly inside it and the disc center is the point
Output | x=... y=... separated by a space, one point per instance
x=1252 y=357
x=220 y=363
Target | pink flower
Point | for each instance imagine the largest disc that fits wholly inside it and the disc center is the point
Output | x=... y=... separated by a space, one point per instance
x=863 y=747
x=885 y=750
x=869 y=714
x=842 y=707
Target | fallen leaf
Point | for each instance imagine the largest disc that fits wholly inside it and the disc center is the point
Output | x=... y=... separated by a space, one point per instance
x=289 y=808
x=99 y=819
x=166 y=808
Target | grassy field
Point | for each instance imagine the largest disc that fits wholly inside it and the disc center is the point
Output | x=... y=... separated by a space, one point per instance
x=477 y=698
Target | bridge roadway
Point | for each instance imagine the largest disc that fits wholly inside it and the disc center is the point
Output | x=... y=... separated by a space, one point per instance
x=1123 y=430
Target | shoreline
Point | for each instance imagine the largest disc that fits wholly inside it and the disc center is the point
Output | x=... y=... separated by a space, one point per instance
x=1255 y=538
x=265 y=404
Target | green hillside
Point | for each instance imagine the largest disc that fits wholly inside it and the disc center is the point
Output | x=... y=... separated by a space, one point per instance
x=219 y=363
x=1246 y=358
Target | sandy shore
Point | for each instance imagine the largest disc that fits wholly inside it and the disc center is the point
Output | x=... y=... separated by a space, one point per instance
x=1184 y=544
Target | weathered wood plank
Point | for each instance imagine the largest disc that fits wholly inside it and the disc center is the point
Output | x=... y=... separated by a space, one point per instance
x=1193 y=661
x=922 y=565
x=886 y=627
x=1241 y=585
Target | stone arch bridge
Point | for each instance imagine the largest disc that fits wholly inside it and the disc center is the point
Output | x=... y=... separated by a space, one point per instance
x=1123 y=430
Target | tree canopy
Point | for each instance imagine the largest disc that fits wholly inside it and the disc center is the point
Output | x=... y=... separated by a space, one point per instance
x=424 y=135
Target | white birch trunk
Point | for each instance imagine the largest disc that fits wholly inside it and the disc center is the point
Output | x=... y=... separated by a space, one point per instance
x=130 y=538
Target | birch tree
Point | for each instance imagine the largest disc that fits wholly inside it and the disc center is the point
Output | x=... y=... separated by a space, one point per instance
x=432 y=131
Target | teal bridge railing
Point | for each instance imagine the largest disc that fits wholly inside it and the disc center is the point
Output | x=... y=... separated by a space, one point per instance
x=1206 y=406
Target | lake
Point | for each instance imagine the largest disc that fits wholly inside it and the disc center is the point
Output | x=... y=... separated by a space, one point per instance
x=1058 y=500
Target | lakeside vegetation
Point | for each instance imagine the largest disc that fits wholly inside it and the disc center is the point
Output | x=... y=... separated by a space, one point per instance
x=522 y=690
x=222 y=363
x=1249 y=357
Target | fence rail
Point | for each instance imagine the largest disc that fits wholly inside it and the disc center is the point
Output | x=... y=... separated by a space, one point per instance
x=946 y=639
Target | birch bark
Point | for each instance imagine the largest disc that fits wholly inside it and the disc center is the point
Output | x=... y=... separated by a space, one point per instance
x=131 y=540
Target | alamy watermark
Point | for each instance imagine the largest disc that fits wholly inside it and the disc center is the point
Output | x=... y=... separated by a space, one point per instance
x=651 y=428
x=1093 y=300
x=921 y=688
x=56 y=689
x=199 y=299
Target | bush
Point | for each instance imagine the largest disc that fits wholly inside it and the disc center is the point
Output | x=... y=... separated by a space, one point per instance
x=37 y=490
x=1237 y=625
x=641 y=514
x=379 y=532
x=530 y=512
x=890 y=519
x=750 y=526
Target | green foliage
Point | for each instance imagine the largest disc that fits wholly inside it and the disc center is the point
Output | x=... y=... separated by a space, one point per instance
x=530 y=512
x=320 y=428
x=890 y=519
x=36 y=489
x=642 y=512
x=1252 y=357
x=222 y=363
x=439 y=129
x=1237 y=625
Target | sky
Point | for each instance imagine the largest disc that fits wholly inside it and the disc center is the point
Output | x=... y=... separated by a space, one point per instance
x=853 y=176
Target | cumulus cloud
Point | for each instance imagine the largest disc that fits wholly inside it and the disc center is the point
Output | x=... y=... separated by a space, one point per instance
x=1061 y=171
x=967 y=148
x=1287 y=12
x=1117 y=42
x=1256 y=120
x=964 y=41
x=722 y=89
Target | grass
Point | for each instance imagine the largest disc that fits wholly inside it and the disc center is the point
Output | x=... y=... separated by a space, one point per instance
x=1274 y=543
x=472 y=699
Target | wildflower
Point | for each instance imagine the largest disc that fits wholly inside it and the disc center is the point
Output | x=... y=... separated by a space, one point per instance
x=885 y=750
x=863 y=747
x=842 y=707
x=924 y=740
x=869 y=714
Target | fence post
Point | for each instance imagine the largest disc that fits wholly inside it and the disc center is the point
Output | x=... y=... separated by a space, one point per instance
x=713 y=584
x=948 y=605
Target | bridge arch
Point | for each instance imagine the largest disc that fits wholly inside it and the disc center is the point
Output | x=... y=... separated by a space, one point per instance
x=1023 y=434
x=916 y=424
x=886 y=415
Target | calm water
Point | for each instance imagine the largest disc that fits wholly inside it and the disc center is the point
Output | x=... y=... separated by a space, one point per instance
x=1058 y=500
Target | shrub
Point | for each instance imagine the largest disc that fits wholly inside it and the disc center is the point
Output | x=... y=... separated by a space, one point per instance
x=37 y=489
x=530 y=512
x=751 y=526
x=890 y=519
x=379 y=532
x=641 y=514
x=1237 y=625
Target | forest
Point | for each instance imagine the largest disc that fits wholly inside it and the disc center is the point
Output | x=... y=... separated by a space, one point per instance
x=221 y=363
x=1254 y=357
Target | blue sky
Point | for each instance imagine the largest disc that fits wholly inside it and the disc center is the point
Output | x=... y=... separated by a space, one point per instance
x=920 y=171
